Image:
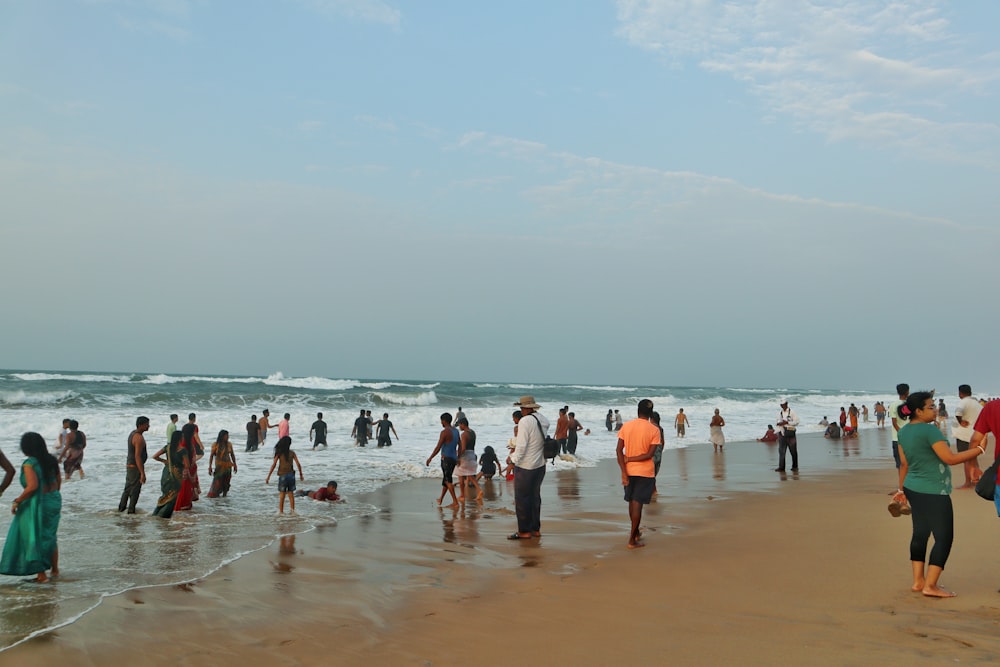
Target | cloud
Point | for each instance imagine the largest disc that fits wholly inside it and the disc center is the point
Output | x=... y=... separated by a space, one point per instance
x=886 y=73
x=377 y=123
x=563 y=183
x=369 y=11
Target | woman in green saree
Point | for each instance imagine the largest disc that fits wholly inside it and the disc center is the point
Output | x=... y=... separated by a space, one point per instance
x=31 y=546
x=175 y=460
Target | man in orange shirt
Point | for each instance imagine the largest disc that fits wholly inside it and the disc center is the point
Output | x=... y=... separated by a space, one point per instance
x=637 y=441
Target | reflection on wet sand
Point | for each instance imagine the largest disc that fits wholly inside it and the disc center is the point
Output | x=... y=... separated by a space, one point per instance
x=719 y=466
x=568 y=484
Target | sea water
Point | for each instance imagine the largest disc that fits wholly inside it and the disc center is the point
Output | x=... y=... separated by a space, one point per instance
x=104 y=552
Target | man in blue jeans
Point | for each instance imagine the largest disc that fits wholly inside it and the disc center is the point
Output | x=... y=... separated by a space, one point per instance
x=528 y=458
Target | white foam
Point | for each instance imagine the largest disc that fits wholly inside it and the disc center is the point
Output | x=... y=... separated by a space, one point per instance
x=425 y=398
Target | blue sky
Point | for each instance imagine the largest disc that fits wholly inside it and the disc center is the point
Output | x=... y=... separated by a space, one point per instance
x=794 y=193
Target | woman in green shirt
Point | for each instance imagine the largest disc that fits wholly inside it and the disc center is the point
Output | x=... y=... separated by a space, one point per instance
x=925 y=480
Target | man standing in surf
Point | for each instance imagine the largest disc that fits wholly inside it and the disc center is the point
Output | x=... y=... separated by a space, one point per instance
x=787 y=422
x=637 y=442
x=263 y=424
x=135 y=462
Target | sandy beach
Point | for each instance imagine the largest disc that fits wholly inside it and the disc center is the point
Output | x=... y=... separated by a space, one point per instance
x=741 y=565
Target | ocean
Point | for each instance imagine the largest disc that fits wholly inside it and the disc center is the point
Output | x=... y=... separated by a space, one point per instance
x=103 y=552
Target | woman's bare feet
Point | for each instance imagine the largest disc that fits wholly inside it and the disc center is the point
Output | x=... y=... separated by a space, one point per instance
x=937 y=592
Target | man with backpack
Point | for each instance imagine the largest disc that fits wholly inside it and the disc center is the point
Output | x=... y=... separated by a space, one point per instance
x=528 y=458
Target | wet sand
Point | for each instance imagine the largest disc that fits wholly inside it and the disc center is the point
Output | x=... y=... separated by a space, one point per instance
x=742 y=565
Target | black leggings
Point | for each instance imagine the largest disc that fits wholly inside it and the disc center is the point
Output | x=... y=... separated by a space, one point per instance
x=931 y=514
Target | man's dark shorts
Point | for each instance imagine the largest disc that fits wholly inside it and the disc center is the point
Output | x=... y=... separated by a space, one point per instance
x=961 y=445
x=448 y=469
x=640 y=489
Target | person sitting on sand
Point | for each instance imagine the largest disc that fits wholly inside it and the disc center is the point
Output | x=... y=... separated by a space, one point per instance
x=832 y=431
x=326 y=493
x=770 y=436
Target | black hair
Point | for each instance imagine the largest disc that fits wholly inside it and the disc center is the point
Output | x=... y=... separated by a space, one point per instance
x=902 y=388
x=192 y=416
x=222 y=435
x=446 y=417
x=645 y=408
x=33 y=444
x=139 y=421
x=517 y=414
x=188 y=431
x=73 y=424
x=287 y=416
x=462 y=422
x=332 y=483
x=283 y=447
x=965 y=389
x=914 y=402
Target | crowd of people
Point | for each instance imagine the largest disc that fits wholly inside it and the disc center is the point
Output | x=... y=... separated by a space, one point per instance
x=920 y=448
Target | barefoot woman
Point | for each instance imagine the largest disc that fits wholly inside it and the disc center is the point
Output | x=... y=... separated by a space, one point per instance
x=926 y=484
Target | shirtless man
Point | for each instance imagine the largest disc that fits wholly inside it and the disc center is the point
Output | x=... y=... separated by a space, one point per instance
x=264 y=423
x=680 y=421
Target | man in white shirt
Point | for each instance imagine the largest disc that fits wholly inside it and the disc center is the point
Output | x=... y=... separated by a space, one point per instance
x=528 y=458
x=787 y=422
x=898 y=420
x=966 y=414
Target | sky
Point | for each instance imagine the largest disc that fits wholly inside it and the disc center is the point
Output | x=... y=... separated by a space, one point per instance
x=767 y=193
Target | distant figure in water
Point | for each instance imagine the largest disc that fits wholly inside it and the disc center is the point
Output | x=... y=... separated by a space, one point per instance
x=72 y=454
x=681 y=422
x=609 y=420
x=716 y=436
x=618 y=421
x=770 y=436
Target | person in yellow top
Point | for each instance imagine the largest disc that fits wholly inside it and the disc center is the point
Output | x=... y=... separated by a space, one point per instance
x=637 y=442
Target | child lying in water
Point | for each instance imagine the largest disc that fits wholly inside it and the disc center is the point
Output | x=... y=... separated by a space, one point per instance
x=328 y=492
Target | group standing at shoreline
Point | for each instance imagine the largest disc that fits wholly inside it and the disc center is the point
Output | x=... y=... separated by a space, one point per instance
x=638 y=453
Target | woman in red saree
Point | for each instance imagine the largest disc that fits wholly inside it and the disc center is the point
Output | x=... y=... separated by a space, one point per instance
x=190 y=473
